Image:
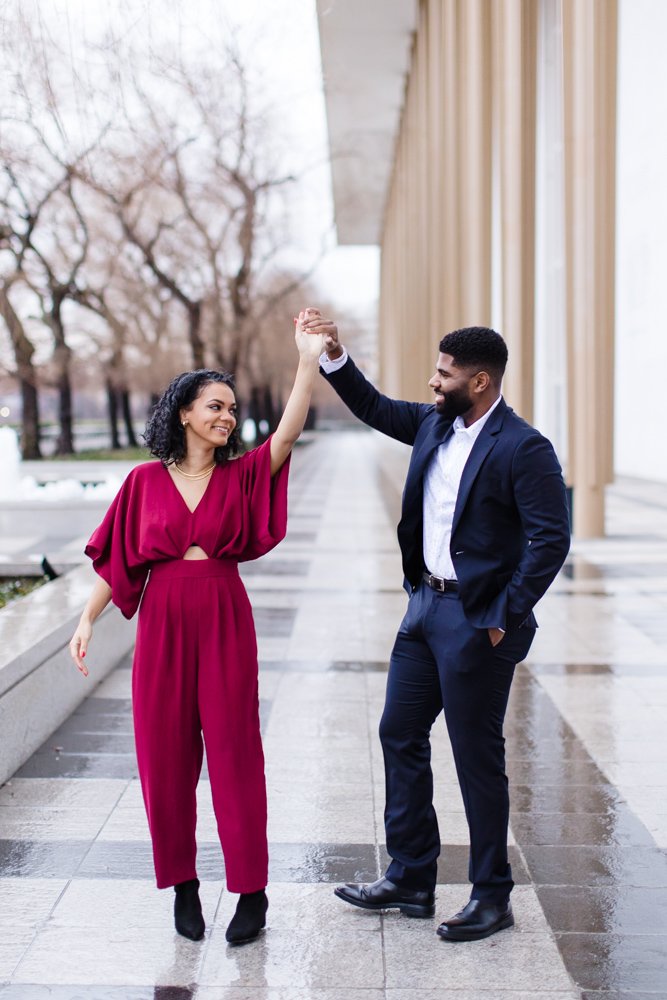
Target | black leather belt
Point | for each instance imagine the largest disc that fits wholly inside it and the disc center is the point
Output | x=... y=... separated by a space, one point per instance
x=442 y=586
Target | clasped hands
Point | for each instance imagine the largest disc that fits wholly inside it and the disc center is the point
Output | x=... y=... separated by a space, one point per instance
x=314 y=334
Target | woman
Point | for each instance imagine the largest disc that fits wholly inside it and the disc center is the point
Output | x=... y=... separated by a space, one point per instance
x=170 y=545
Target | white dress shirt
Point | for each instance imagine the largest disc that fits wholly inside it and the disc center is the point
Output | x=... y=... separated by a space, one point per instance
x=441 y=486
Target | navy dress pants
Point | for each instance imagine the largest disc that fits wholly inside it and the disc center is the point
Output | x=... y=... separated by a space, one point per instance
x=440 y=661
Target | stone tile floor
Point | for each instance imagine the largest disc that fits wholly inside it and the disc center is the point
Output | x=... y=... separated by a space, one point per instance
x=587 y=759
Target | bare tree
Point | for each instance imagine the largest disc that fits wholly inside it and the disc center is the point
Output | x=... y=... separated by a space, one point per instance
x=171 y=209
x=138 y=339
x=54 y=285
x=18 y=222
x=25 y=373
x=198 y=202
x=43 y=233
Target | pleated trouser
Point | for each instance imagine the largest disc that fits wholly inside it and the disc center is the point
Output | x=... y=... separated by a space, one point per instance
x=195 y=682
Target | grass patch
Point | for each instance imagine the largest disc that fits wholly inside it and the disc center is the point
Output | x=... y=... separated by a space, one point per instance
x=105 y=455
x=11 y=588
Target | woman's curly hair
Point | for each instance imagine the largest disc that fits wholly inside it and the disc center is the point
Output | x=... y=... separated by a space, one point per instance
x=164 y=435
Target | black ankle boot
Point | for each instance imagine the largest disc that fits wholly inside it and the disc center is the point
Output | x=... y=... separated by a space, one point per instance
x=249 y=918
x=187 y=910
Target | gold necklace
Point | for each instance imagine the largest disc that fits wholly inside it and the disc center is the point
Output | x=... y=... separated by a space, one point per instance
x=198 y=475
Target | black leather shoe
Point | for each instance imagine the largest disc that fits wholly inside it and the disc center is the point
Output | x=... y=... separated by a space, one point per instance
x=249 y=919
x=477 y=920
x=384 y=895
x=187 y=910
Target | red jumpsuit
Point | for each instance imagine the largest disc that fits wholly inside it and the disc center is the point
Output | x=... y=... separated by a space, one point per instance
x=195 y=661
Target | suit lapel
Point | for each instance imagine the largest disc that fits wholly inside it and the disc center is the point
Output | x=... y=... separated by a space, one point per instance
x=441 y=432
x=481 y=448
x=414 y=484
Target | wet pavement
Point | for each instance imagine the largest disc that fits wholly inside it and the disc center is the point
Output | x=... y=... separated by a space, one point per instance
x=587 y=762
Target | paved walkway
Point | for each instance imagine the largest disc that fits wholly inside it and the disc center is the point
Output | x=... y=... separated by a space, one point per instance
x=587 y=750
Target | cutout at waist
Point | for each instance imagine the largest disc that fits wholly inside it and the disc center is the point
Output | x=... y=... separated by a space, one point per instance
x=195 y=552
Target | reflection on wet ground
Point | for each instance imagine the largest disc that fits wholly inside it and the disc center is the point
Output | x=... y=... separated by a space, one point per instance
x=599 y=875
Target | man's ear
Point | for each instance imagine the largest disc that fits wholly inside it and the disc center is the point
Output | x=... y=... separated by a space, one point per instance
x=482 y=381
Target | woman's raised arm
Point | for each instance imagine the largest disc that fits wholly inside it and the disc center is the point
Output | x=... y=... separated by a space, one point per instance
x=310 y=347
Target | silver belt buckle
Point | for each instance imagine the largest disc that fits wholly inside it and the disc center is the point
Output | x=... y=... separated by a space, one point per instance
x=437 y=583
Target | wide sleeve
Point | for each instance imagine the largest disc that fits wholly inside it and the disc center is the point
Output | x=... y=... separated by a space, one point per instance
x=114 y=548
x=264 y=500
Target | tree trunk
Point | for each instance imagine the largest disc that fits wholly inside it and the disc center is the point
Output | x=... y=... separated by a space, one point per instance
x=254 y=412
x=127 y=418
x=27 y=376
x=62 y=356
x=196 y=343
x=65 y=441
x=30 y=448
x=112 y=411
x=269 y=408
x=311 y=419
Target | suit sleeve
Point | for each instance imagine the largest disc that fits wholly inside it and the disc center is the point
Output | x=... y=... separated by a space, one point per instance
x=393 y=417
x=539 y=492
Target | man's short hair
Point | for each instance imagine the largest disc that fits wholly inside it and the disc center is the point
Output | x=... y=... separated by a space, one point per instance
x=477 y=347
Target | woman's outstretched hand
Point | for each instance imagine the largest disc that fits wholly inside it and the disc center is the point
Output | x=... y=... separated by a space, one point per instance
x=314 y=323
x=309 y=336
x=309 y=345
x=313 y=333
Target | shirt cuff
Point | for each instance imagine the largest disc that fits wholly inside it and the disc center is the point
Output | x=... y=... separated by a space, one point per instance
x=328 y=367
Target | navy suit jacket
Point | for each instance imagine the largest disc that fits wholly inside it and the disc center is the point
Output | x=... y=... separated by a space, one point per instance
x=510 y=533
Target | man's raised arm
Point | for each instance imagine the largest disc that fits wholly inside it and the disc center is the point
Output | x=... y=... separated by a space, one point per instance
x=394 y=417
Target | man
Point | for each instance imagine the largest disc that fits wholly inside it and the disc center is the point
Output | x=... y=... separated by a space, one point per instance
x=484 y=531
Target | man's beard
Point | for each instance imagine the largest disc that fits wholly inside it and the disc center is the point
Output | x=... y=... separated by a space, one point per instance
x=453 y=405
